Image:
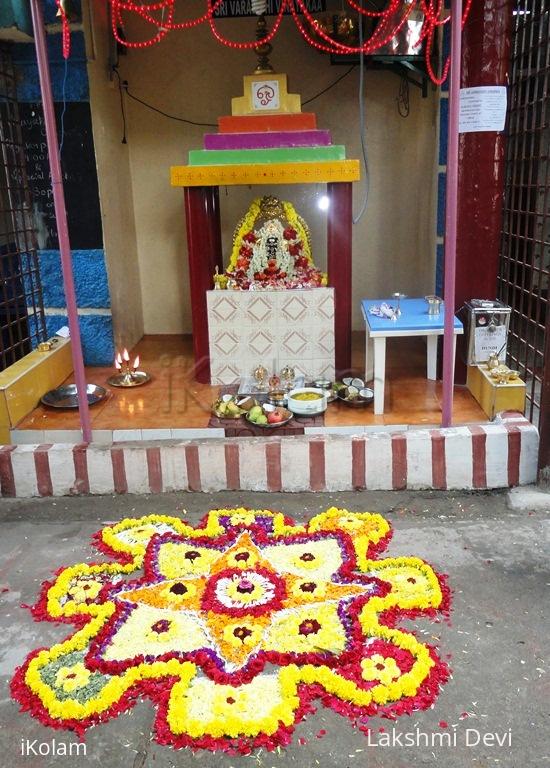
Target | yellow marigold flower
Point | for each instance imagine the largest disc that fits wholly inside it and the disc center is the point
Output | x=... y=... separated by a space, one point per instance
x=313 y=589
x=256 y=593
x=242 y=518
x=84 y=589
x=244 y=559
x=73 y=677
x=382 y=668
x=142 y=534
x=241 y=634
x=161 y=631
x=311 y=563
x=188 y=591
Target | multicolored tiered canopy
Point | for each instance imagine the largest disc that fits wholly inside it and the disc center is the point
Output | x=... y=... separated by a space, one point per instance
x=267 y=139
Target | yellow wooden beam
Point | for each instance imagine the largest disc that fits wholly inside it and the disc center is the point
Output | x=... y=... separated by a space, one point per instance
x=267 y=173
x=23 y=383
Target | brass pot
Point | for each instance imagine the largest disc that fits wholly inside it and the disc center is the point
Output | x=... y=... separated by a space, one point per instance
x=493 y=361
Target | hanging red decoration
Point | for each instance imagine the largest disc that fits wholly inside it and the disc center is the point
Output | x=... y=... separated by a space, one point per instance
x=65 y=28
x=160 y=16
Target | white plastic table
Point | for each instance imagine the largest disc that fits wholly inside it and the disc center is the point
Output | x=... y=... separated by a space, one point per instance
x=414 y=321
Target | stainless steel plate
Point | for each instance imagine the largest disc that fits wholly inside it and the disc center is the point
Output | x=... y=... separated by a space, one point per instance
x=66 y=396
x=365 y=397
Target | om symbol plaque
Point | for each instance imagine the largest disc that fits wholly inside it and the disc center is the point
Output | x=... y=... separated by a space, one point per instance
x=265 y=94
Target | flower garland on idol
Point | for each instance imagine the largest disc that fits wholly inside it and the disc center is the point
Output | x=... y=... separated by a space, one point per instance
x=233 y=628
x=275 y=255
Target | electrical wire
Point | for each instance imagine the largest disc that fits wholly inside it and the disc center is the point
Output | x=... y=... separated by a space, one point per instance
x=122 y=110
x=338 y=80
x=124 y=85
x=403 y=101
x=362 y=124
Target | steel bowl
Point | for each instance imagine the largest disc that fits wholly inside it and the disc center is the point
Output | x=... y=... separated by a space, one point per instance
x=322 y=383
x=277 y=397
x=327 y=385
x=66 y=396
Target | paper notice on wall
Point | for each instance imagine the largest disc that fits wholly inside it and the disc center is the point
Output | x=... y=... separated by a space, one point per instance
x=482 y=109
x=489 y=340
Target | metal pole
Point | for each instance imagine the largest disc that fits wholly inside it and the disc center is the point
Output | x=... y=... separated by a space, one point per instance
x=61 y=215
x=451 y=203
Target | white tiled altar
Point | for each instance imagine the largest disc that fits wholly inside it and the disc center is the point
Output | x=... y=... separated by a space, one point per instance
x=248 y=328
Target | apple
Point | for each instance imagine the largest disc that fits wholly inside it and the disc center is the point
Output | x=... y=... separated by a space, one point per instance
x=261 y=419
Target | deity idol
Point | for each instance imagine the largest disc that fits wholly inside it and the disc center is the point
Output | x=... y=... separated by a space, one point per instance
x=272 y=249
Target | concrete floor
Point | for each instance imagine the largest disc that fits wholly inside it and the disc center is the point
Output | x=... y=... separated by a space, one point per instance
x=498 y=637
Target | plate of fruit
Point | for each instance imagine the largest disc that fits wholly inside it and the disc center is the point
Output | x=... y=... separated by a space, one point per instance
x=268 y=416
x=226 y=407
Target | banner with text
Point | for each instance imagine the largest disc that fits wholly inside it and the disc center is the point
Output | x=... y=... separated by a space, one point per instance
x=230 y=9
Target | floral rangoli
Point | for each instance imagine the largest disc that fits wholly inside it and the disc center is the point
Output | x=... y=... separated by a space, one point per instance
x=235 y=627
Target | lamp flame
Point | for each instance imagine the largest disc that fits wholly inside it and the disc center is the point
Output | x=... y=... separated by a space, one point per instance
x=127 y=373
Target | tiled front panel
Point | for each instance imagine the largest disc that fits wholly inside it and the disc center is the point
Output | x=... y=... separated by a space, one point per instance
x=272 y=328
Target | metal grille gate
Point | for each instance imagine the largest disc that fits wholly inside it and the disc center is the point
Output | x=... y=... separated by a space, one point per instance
x=22 y=323
x=525 y=248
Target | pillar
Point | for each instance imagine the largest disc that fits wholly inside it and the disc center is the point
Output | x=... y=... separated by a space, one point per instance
x=339 y=251
x=204 y=251
x=485 y=61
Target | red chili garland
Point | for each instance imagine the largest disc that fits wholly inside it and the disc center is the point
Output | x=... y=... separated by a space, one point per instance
x=160 y=15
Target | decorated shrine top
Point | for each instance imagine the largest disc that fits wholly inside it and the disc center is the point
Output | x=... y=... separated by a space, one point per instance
x=266 y=140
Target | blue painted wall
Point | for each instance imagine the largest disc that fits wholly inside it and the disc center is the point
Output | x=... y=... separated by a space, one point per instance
x=69 y=79
x=96 y=333
x=90 y=278
x=16 y=13
x=76 y=83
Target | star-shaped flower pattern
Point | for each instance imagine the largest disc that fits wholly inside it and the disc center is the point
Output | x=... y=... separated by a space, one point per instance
x=239 y=603
x=232 y=627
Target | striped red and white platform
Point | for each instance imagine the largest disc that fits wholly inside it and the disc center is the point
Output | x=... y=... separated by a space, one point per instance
x=497 y=455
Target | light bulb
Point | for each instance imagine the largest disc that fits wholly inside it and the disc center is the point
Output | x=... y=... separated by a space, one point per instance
x=259 y=6
x=323 y=203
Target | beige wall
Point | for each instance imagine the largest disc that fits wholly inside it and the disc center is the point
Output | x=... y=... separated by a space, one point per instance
x=191 y=75
x=115 y=183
